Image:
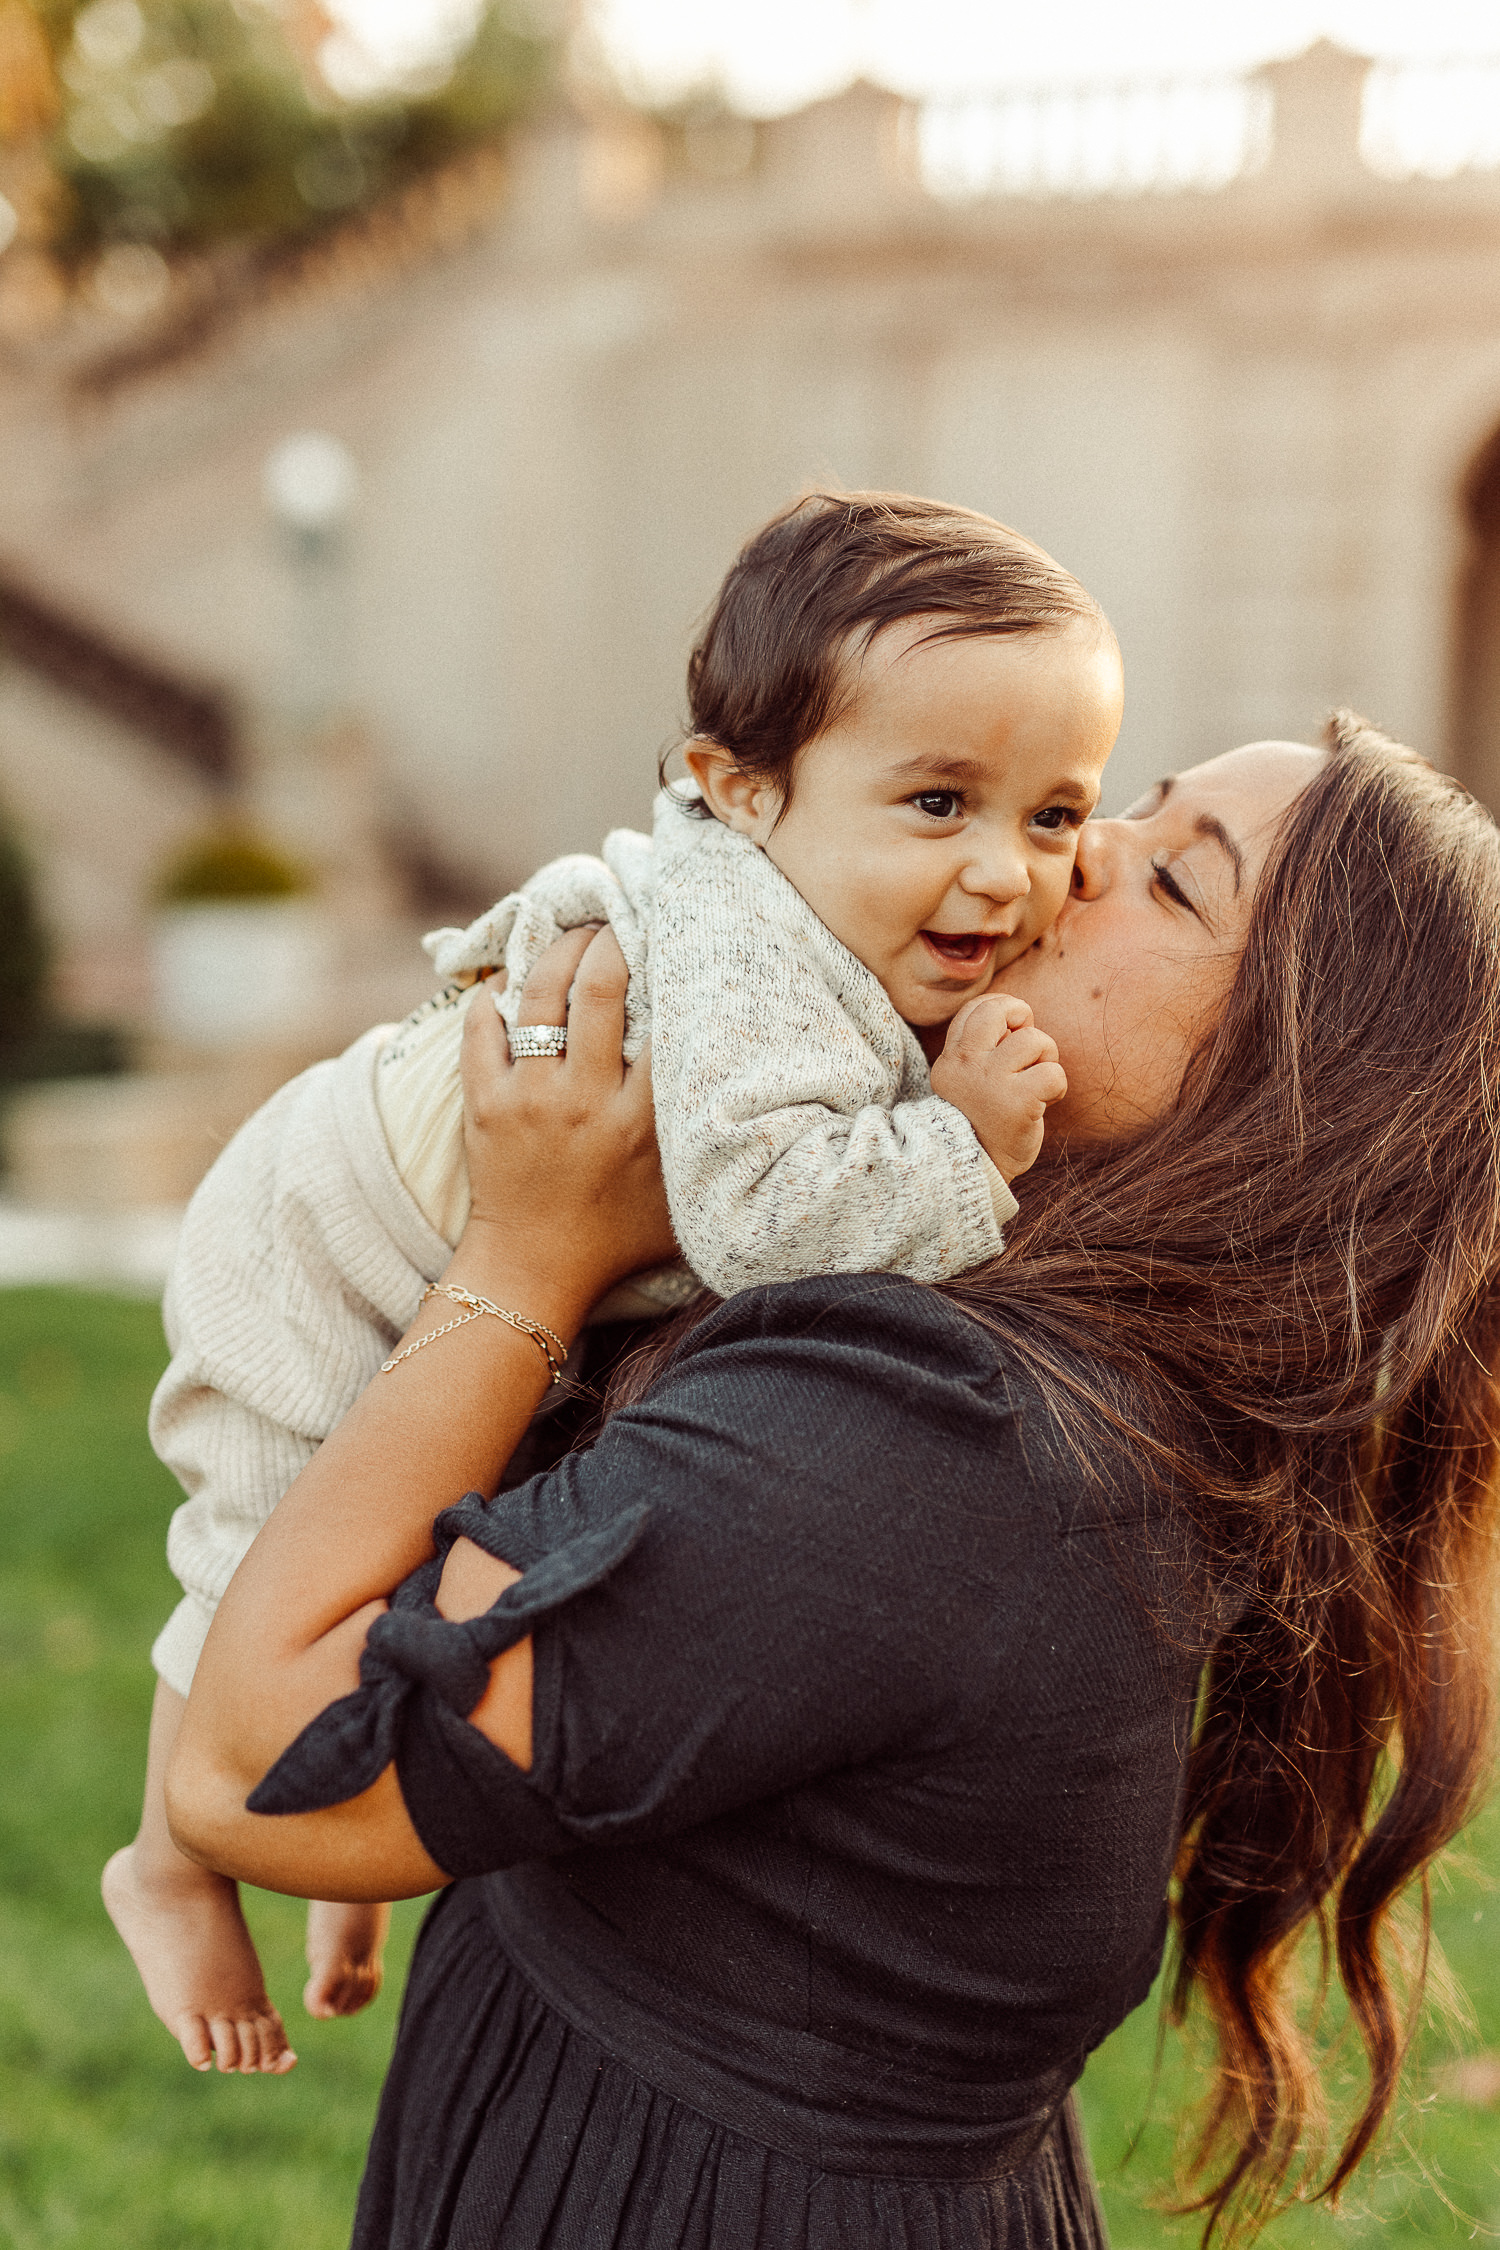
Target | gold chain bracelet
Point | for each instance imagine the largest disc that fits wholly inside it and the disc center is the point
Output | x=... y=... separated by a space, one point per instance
x=543 y=1337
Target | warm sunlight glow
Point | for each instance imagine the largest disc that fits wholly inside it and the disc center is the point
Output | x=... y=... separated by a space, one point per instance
x=780 y=53
x=1082 y=96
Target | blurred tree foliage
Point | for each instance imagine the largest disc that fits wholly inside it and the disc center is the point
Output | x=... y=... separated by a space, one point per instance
x=34 y=1043
x=181 y=124
x=23 y=944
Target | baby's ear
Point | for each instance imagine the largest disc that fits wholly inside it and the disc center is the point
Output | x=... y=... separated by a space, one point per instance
x=738 y=799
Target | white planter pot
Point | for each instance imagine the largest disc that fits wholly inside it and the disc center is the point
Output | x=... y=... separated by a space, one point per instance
x=234 y=973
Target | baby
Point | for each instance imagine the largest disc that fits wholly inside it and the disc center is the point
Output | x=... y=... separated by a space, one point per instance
x=900 y=715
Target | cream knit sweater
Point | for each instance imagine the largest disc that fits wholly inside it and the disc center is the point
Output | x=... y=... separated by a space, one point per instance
x=798 y=1128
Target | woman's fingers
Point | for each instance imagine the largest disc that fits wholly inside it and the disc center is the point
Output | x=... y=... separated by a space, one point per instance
x=484 y=1061
x=579 y=985
x=544 y=997
x=596 y=1012
x=562 y=1150
x=485 y=1057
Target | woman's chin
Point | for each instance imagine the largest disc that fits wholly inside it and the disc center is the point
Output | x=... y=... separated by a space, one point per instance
x=1021 y=979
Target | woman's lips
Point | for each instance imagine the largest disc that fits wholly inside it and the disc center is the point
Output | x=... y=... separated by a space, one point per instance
x=962 y=953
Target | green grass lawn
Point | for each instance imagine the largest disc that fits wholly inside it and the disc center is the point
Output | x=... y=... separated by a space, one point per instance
x=106 y=2137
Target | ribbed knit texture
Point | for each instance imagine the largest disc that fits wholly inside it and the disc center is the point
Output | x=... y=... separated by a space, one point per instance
x=301 y=1261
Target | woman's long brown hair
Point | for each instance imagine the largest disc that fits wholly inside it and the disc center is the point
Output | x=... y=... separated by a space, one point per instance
x=1283 y=1300
x=1286 y=1297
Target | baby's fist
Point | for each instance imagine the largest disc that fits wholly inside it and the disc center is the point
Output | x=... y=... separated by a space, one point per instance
x=1003 y=1074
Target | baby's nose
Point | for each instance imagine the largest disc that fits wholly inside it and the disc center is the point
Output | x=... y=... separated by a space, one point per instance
x=999 y=871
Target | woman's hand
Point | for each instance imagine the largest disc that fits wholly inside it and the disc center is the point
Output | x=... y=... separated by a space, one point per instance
x=564 y=1178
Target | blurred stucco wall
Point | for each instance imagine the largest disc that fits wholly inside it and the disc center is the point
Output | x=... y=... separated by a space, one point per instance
x=1244 y=418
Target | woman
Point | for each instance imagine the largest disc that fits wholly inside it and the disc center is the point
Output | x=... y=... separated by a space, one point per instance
x=832 y=1715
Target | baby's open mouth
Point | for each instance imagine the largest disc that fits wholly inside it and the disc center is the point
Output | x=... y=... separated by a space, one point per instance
x=961 y=950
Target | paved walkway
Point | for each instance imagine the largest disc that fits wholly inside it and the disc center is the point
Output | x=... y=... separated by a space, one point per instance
x=128 y=1251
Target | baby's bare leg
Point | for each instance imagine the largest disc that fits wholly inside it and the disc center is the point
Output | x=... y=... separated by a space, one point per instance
x=186 y=1934
x=344 y=1946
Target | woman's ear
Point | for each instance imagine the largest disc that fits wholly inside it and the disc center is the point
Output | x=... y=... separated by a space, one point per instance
x=738 y=799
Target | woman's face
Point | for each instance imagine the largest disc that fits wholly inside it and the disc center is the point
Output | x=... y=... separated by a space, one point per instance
x=1141 y=958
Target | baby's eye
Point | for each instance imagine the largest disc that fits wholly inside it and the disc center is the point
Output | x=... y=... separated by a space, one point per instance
x=939 y=804
x=1056 y=819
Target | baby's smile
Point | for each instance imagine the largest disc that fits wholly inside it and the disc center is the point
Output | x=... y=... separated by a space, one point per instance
x=933 y=826
x=968 y=954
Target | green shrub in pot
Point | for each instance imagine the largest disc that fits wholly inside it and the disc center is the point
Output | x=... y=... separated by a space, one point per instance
x=230 y=865
x=241 y=952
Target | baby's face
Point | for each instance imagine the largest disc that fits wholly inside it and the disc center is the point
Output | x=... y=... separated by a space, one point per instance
x=934 y=828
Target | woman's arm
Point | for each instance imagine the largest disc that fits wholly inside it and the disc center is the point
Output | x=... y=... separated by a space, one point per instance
x=567 y=1199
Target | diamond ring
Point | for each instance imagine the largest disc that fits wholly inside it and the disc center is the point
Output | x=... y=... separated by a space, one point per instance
x=533 y=1039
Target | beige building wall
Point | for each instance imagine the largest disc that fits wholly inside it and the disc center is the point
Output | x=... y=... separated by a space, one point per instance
x=1243 y=417
x=102 y=809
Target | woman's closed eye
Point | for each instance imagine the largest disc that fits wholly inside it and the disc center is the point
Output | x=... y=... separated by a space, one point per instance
x=1166 y=882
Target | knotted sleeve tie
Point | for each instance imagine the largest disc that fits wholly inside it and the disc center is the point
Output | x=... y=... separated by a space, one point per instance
x=346 y=1748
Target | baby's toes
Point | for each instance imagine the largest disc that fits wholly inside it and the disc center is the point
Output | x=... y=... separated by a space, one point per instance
x=342 y=1991
x=361 y=1984
x=225 y=2034
x=319 y=1994
x=264 y=2043
x=192 y=2035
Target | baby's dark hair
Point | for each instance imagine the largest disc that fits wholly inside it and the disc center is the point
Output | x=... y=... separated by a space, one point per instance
x=777 y=661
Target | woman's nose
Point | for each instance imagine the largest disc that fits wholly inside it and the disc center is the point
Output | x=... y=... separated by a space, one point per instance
x=1097 y=849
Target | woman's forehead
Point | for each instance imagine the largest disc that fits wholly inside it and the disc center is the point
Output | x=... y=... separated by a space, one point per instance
x=1257 y=768
x=1253 y=783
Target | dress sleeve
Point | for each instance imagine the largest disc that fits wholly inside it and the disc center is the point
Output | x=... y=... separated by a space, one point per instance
x=744 y=1585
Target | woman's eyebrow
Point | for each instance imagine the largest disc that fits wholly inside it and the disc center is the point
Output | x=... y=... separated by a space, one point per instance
x=1207 y=824
x=1160 y=791
x=1217 y=833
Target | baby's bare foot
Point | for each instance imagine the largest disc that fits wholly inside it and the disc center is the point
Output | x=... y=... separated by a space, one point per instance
x=187 y=1937
x=344 y=1954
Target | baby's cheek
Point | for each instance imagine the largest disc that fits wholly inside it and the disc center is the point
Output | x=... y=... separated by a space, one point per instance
x=1046 y=896
x=1050 y=885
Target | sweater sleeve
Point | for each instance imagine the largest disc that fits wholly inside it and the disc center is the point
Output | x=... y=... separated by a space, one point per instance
x=798 y=1128
x=301 y=1260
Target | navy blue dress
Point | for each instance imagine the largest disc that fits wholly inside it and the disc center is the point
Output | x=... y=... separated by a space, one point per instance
x=861 y=1713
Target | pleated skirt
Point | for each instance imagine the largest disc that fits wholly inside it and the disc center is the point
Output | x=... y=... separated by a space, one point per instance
x=503 y=2127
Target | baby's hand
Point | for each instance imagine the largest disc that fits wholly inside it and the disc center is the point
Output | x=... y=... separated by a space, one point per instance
x=1002 y=1073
